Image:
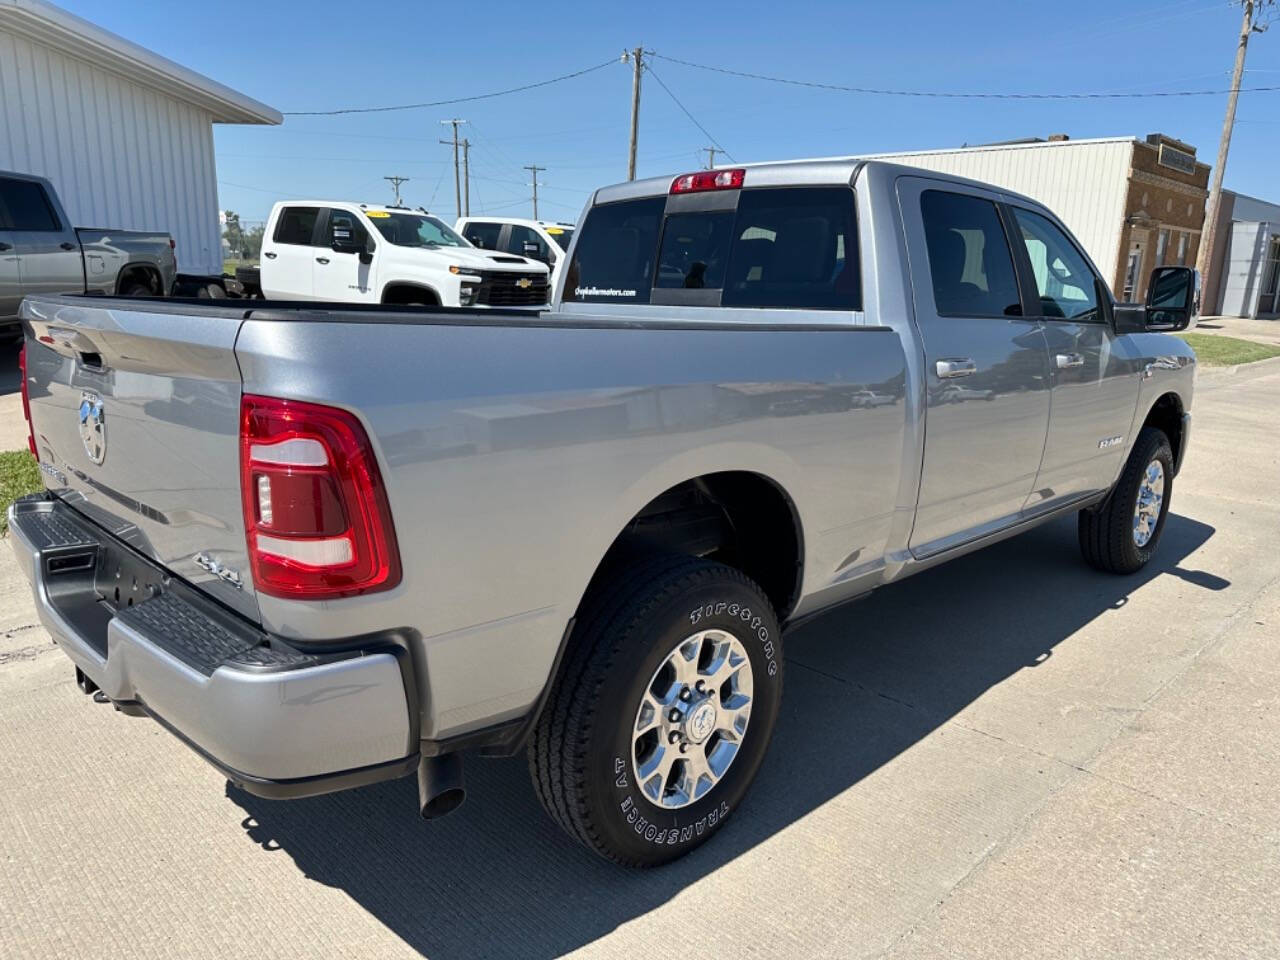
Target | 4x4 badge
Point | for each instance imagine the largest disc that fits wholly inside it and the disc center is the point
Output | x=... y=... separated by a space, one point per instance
x=93 y=426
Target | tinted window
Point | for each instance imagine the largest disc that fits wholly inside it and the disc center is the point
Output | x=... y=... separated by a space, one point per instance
x=613 y=259
x=483 y=234
x=297 y=224
x=1064 y=282
x=24 y=207
x=520 y=236
x=695 y=251
x=794 y=247
x=969 y=260
x=344 y=224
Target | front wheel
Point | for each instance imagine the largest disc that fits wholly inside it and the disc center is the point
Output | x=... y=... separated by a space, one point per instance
x=1121 y=535
x=664 y=711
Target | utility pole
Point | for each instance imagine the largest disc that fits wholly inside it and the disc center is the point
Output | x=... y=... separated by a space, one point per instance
x=457 y=175
x=395 y=185
x=535 y=168
x=636 y=58
x=1249 y=24
x=466 y=176
x=711 y=156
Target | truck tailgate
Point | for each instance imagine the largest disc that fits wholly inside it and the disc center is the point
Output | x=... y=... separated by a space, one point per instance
x=136 y=418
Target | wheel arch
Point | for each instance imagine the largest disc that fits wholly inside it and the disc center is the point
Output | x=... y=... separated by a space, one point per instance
x=148 y=273
x=1167 y=414
x=394 y=289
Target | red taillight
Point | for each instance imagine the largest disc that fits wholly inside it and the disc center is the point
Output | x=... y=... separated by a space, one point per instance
x=315 y=509
x=26 y=401
x=708 y=180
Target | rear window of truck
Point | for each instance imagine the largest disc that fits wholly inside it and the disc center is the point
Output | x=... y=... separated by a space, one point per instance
x=786 y=247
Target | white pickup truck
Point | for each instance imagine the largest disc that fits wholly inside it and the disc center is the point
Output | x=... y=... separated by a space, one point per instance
x=537 y=239
x=365 y=253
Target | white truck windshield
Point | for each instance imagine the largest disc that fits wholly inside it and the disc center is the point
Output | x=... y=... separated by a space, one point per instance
x=414 y=230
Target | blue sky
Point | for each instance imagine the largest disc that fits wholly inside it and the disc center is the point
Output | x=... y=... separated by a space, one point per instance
x=324 y=54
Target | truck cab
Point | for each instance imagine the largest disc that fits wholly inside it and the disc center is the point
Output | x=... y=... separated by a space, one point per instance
x=366 y=253
x=539 y=240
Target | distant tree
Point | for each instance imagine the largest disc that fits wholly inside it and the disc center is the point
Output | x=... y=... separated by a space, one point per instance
x=251 y=245
x=232 y=233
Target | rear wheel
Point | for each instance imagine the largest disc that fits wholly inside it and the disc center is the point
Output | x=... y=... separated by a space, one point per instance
x=1121 y=535
x=665 y=709
x=136 y=288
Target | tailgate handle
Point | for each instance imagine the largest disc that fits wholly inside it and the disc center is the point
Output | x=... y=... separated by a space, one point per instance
x=91 y=360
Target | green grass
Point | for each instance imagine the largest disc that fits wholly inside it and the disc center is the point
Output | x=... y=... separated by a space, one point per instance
x=1215 y=351
x=18 y=475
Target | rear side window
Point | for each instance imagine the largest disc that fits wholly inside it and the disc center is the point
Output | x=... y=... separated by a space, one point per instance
x=483 y=235
x=297 y=225
x=794 y=248
x=969 y=260
x=613 y=259
x=24 y=206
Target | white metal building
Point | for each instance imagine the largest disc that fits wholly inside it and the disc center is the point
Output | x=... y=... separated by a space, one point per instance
x=1244 y=280
x=125 y=135
x=1134 y=204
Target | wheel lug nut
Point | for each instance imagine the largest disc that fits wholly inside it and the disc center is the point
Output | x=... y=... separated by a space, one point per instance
x=684 y=694
x=673 y=737
x=684 y=747
x=702 y=687
x=674 y=716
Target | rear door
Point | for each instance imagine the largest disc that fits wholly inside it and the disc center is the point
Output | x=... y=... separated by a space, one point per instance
x=1095 y=375
x=289 y=254
x=986 y=365
x=136 y=416
x=49 y=258
x=344 y=276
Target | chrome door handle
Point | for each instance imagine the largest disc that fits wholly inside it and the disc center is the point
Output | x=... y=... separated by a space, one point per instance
x=1068 y=360
x=950 y=369
x=322 y=259
x=269 y=255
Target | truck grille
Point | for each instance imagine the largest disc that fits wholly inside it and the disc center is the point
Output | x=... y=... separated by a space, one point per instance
x=498 y=289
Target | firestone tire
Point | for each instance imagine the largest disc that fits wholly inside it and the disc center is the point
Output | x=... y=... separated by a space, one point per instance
x=581 y=754
x=1117 y=537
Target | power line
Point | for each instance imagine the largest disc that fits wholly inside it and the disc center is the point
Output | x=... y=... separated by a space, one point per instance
x=691 y=117
x=444 y=103
x=950 y=95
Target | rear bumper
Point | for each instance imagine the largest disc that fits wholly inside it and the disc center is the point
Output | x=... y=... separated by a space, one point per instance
x=276 y=720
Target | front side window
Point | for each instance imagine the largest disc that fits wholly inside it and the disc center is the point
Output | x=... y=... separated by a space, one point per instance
x=297 y=225
x=1067 y=287
x=483 y=235
x=414 y=229
x=970 y=265
x=344 y=225
x=525 y=242
x=24 y=206
x=613 y=259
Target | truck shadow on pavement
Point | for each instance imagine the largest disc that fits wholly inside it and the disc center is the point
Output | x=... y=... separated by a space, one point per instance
x=864 y=684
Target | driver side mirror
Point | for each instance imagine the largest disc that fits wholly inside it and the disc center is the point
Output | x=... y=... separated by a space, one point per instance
x=342 y=235
x=1173 y=298
x=1173 y=303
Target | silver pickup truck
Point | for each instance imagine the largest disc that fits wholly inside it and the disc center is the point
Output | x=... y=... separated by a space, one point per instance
x=327 y=545
x=41 y=253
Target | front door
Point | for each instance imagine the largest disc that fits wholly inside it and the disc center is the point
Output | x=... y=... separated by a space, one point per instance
x=344 y=276
x=49 y=258
x=986 y=366
x=1095 y=374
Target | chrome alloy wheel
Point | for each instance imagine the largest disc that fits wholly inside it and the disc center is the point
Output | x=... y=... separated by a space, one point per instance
x=1146 y=513
x=692 y=718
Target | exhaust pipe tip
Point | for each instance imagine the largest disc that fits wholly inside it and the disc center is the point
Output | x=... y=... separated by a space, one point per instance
x=440 y=786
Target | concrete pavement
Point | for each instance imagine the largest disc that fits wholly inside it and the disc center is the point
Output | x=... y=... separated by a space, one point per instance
x=1008 y=756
